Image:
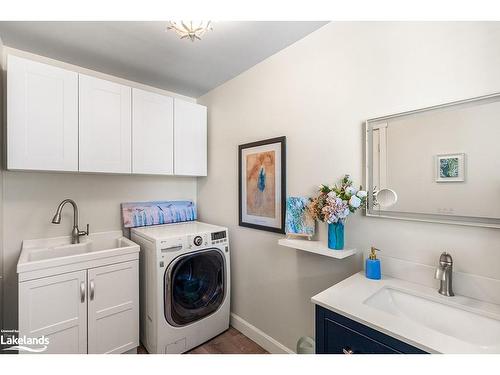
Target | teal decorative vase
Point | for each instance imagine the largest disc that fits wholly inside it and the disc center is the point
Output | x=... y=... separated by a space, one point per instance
x=336 y=236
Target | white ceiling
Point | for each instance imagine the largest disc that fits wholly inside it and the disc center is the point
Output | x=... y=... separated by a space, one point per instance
x=144 y=52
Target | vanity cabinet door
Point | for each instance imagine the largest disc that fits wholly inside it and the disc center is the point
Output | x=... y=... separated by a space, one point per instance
x=113 y=308
x=55 y=307
x=336 y=334
x=340 y=339
x=42 y=116
x=105 y=129
x=152 y=133
x=190 y=139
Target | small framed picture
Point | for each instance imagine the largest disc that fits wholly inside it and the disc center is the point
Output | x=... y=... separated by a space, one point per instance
x=450 y=167
x=298 y=220
x=262 y=184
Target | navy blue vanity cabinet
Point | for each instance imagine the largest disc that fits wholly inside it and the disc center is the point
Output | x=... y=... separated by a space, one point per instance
x=336 y=334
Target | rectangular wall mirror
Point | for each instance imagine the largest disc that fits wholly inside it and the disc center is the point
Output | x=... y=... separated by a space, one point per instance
x=442 y=162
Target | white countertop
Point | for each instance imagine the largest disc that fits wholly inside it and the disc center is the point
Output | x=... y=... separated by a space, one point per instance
x=347 y=298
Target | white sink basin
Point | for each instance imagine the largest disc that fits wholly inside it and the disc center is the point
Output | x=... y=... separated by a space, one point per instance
x=58 y=251
x=417 y=314
x=438 y=315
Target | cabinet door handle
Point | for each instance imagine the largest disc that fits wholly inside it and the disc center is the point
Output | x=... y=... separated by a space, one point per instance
x=82 y=292
x=347 y=350
x=92 y=290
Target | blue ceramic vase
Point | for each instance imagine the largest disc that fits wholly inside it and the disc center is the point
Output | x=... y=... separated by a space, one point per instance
x=336 y=236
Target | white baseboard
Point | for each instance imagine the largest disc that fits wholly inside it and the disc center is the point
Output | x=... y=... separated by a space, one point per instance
x=261 y=338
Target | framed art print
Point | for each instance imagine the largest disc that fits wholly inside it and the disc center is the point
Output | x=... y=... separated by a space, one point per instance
x=450 y=167
x=262 y=184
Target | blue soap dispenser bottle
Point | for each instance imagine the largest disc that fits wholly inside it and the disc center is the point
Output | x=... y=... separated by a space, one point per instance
x=372 y=265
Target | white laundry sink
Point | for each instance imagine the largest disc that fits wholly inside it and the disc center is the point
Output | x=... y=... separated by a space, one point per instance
x=58 y=251
x=438 y=315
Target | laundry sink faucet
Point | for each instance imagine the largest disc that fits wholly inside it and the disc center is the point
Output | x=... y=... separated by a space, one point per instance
x=76 y=232
x=444 y=275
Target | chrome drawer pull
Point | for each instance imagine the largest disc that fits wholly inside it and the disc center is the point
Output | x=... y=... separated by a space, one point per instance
x=347 y=350
x=92 y=290
x=82 y=292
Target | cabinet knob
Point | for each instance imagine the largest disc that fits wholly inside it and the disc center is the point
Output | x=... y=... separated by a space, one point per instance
x=347 y=350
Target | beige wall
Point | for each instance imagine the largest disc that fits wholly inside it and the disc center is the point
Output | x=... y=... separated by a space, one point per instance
x=318 y=92
x=29 y=200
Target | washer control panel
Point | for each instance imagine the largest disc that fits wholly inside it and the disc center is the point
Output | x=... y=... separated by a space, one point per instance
x=198 y=240
x=219 y=237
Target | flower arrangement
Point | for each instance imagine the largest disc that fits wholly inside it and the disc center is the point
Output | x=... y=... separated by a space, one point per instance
x=335 y=203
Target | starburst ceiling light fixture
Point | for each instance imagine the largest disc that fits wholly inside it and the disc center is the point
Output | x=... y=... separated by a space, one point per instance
x=190 y=29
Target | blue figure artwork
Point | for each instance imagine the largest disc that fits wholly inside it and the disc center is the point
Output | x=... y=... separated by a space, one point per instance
x=261 y=184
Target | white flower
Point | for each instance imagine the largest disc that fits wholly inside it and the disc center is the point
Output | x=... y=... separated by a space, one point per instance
x=351 y=190
x=354 y=201
x=332 y=194
x=362 y=194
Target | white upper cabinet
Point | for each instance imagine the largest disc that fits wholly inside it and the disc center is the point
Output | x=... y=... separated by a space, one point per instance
x=190 y=139
x=60 y=120
x=105 y=115
x=152 y=133
x=42 y=116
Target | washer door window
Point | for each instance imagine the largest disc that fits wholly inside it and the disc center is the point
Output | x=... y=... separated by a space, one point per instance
x=194 y=286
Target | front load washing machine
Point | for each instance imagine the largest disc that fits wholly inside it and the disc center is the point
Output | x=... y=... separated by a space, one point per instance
x=184 y=285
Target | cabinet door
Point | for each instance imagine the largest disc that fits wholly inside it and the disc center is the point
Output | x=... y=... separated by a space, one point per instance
x=190 y=139
x=42 y=116
x=340 y=339
x=113 y=308
x=105 y=126
x=337 y=334
x=152 y=133
x=55 y=307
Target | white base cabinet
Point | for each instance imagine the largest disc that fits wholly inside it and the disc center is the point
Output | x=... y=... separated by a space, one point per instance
x=113 y=308
x=55 y=307
x=89 y=311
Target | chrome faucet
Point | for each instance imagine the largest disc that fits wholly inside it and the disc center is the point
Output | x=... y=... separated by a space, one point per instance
x=444 y=274
x=76 y=232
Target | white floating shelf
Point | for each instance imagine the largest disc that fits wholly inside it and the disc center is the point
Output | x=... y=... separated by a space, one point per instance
x=316 y=247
